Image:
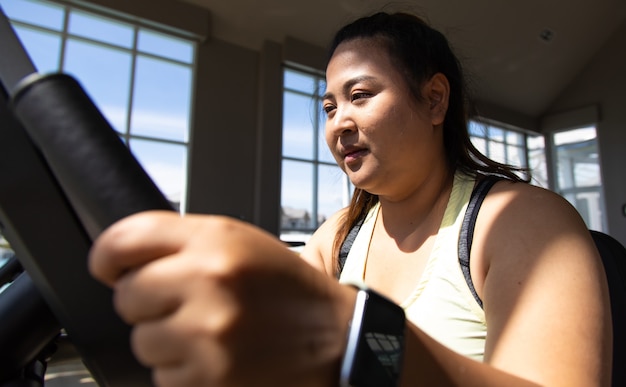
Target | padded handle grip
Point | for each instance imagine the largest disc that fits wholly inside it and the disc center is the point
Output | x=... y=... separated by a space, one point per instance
x=101 y=178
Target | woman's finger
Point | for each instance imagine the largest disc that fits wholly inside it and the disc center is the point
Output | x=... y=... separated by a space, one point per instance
x=133 y=241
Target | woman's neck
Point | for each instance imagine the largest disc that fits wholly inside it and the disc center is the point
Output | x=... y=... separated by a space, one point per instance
x=418 y=215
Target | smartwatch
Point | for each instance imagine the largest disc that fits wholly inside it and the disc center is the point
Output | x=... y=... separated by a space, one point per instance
x=375 y=347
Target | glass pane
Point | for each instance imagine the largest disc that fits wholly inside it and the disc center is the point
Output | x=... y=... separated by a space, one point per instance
x=477 y=130
x=496 y=152
x=297 y=126
x=496 y=134
x=42 y=14
x=587 y=174
x=42 y=47
x=574 y=136
x=166 y=164
x=514 y=138
x=577 y=159
x=297 y=195
x=321 y=88
x=589 y=205
x=515 y=156
x=166 y=46
x=162 y=96
x=537 y=160
x=101 y=29
x=480 y=144
x=332 y=191
x=298 y=81
x=536 y=142
x=106 y=80
x=323 y=153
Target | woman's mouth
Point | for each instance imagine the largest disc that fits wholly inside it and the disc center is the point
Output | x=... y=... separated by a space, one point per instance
x=353 y=155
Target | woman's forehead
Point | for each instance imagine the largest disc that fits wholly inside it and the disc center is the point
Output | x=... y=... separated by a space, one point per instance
x=360 y=55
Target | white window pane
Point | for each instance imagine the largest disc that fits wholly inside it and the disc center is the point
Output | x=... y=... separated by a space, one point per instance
x=106 y=80
x=496 y=152
x=589 y=205
x=331 y=191
x=165 y=46
x=496 y=134
x=165 y=163
x=297 y=195
x=537 y=160
x=298 y=131
x=162 y=96
x=480 y=144
x=323 y=152
x=321 y=88
x=587 y=174
x=577 y=159
x=101 y=29
x=514 y=138
x=42 y=47
x=535 y=142
x=298 y=81
x=39 y=13
x=477 y=130
x=574 y=136
x=515 y=156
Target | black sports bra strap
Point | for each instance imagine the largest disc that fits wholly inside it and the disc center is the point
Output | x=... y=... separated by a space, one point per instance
x=467 y=229
x=347 y=245
x=465 y=238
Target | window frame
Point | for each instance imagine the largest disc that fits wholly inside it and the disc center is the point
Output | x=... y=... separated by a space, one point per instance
x=315 y=161
x=137 y=25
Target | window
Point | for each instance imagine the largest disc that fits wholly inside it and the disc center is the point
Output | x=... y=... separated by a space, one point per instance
x=512 y=147
x=140 y=78
x=577 y=171
x=499 y=144
x=537 y=163
x=313 y=187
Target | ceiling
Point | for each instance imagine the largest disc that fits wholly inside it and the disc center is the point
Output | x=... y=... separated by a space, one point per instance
x=508 y=64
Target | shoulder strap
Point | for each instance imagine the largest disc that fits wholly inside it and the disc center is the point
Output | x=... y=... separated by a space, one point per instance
x=465 y=238
x=467 y=229
x=347 y=245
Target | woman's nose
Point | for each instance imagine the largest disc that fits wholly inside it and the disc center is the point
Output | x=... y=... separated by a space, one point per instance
x=341 y=122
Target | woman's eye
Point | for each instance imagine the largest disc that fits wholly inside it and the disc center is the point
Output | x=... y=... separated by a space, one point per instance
x=328 y=108
x=356 y=96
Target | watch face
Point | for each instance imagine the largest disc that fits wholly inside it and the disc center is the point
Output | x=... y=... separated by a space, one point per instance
x=387 y=348
x=378 y=351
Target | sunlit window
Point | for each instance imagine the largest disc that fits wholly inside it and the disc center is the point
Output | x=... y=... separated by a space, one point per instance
x=512 y=147
x=313 y=187
x=499 y=144
x=578 y=176
x=140 y=78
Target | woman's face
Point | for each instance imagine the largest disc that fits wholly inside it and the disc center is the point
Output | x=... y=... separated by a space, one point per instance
x=380 y=135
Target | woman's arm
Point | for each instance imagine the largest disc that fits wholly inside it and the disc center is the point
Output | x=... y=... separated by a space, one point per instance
x=215 y=301
x=543 y=287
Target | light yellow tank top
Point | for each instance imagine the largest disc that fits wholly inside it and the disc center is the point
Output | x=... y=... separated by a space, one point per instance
x=441 y=303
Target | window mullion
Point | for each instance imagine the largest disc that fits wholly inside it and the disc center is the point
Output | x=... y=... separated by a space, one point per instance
x=131 y=86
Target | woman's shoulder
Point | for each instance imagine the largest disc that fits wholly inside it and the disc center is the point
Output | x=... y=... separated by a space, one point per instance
x=521 y=214
x=520 y=200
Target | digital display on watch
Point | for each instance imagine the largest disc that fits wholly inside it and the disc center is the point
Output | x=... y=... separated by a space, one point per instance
x=375 y=343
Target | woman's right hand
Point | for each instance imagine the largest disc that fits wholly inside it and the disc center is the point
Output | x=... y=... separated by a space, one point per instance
x=216 y=301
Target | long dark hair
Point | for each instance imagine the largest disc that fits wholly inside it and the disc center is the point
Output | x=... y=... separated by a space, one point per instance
x=419 y=52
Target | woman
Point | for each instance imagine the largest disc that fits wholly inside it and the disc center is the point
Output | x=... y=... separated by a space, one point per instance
x=215 y=301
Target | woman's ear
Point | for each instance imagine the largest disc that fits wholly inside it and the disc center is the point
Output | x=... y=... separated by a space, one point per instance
x=437 y=92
